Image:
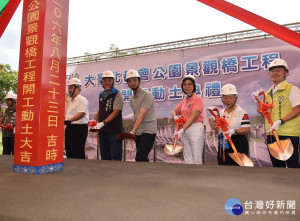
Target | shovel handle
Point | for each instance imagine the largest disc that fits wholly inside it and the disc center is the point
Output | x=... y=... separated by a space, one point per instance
x=176 y=136
x=234 y=150
x=231 y=143
x=215 y=110
x=277 y=140
x=175 y=142
x=260 y=93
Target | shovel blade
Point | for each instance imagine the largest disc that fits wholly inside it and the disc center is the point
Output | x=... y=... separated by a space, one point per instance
x=171 y=150
x=126 y=136
x=94 y=130
x=283 y=153
x=241 y=159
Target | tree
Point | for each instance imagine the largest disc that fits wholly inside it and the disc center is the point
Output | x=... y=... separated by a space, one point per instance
x=114 y=48
x=8 y=80
x=87 y=56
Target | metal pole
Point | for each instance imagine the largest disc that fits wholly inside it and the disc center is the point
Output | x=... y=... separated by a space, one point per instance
x=124 y=150
x=204 y=146
x=154 y=151
x=98 y=147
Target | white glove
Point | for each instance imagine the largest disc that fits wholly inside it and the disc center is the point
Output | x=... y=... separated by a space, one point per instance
x=256 y=94
x=99 y=126
x=275 y=125
x=179 y=133
x=14 y=130
x=230 y=132
x=176 y=117
x=209 y=115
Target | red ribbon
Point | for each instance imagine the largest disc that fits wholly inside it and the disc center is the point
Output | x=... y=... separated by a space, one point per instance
x=179 y=122
x=7 y=127
x=92 y=123
x=263 y=108
x=221 y=123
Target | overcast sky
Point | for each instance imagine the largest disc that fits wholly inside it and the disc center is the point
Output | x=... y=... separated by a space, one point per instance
x=95 y=24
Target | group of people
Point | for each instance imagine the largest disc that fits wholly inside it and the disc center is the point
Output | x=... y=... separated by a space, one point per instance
x=286 y=110
x=109 y=118
x=285 y=114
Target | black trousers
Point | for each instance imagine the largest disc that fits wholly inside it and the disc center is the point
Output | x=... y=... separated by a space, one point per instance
x=144 y=143
x=242 y=145
x=293 y=161
x=75 y=137
x=110 y=147
x=8 y=145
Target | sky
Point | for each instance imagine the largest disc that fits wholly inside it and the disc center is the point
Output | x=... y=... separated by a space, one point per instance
x=96 y=24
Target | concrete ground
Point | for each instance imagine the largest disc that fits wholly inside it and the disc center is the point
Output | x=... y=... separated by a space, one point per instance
x=100 y=190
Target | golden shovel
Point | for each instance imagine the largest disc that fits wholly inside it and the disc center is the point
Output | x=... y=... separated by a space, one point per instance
x=281 y=149
x=175 y=149
x=240 y=158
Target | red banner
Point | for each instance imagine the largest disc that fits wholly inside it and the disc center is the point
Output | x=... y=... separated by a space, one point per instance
x=7 y=14
x=257 y=21
x=39 y=134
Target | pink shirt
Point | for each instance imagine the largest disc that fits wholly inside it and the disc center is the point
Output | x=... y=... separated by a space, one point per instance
x=187 y=105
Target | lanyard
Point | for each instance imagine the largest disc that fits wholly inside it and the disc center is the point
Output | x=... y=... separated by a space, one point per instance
x=223 y=143
x=230 y=116
x=188 y=104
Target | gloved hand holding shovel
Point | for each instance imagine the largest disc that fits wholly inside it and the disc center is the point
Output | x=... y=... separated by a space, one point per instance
x=96 y=126
x=281 y=149
x=174 y=149
x=179 y=133
x=240 y=158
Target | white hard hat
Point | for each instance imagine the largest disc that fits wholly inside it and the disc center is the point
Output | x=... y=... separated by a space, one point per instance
x=108 y=74
x=189 y=77
x=131 y=74
x=228 y=89
x=278 y=63
x=74 y=81
x=10 y=95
